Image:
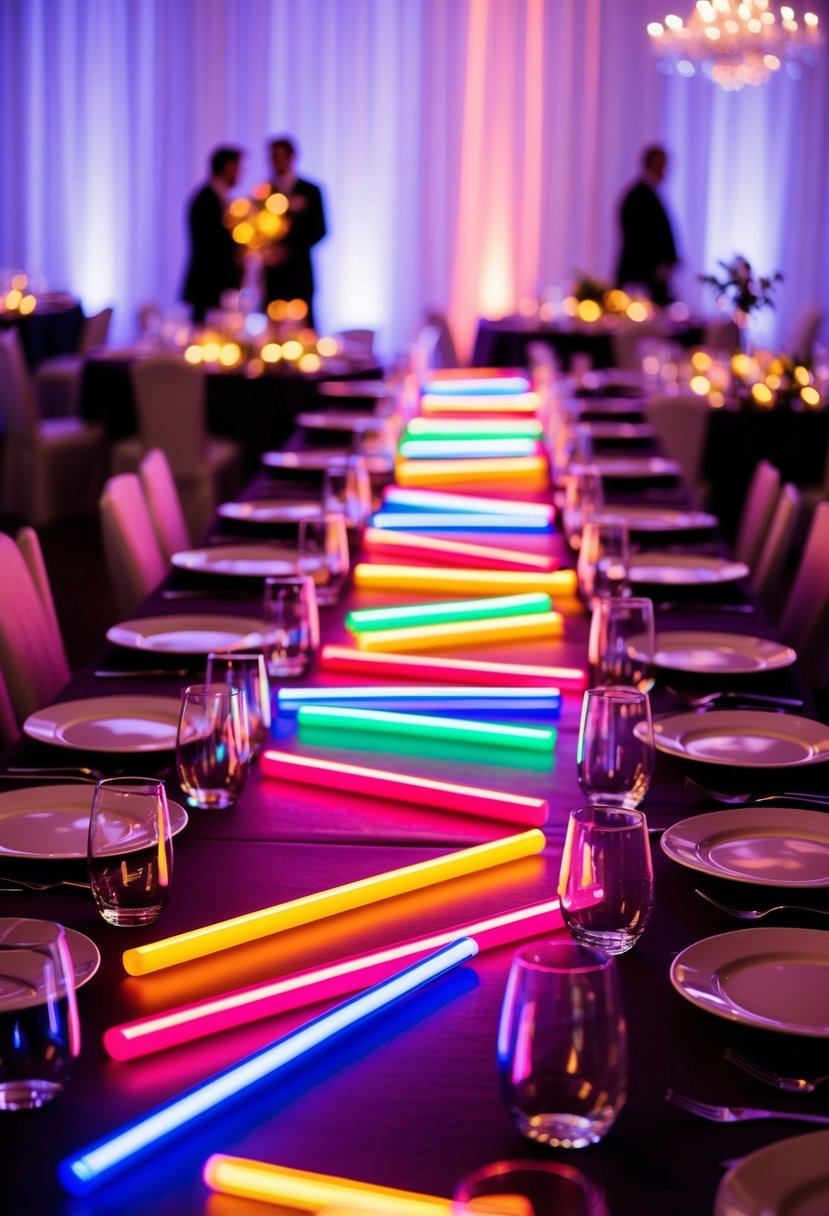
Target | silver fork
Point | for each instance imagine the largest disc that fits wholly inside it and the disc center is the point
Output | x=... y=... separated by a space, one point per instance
x=757 y=913
x=15 y=885
x=713 y=698
x=790 y=1085
x=736 y=1114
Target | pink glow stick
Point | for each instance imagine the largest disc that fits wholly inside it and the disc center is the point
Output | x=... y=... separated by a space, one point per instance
x=455 y=552
x=172 y=1027
x=448 y=671
x=397 y=787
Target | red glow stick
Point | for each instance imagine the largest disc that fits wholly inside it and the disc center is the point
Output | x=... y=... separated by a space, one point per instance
x=448 y=671
x=455 y=552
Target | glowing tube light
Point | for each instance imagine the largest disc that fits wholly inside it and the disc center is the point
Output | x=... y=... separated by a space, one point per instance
x=397 y=787
x=444 y=500
x=498 y=447
x=479 y=403
x=184 y=947
x=458 y=521
x=440 y=580
x=473 y=428
x=424 y=726
x=456 y=552
x=463 y=633
x=468 y=671
x=530 y=472
x=528 y=701
x=95 y=1165
x=477 y=381
x=364 y=620
x=228 y=1010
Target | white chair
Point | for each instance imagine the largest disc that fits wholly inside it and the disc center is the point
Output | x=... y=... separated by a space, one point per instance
x=171 y=406
x=58 y=379
x=804 y=623
x=627 y=341
x=682 y=424
x=32 y=656
x=133 y=555
x=52 y=467
x=767 y=575
x=9 y=729
x=357 y=342
x=435 y=341
x=163 y=503
x=755 y=517
x=28 y=543
x=805 y=328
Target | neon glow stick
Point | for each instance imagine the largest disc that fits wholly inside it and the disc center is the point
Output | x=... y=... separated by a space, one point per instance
x=458 y=521
x=463 y=633
x=479 y=403
x=473 y=428
x=456 y=552
x=425 y=667
x=398 y=787
x=440 y=579
x=444 y=500
x=526 y=701
x=476 y=380
x=364 y=620
x=251 y=926
x=530 y=472
x=95 y=1165
x=497 y=447
x=172 y=1027
x=424 y=726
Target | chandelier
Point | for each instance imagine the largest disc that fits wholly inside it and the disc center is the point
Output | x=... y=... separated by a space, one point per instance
x=735 y=43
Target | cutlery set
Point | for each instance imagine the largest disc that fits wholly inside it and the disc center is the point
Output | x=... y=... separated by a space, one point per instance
x=737 y=1114
x=757 y=913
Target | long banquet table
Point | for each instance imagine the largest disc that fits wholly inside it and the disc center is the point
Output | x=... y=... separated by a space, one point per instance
x=413 y=1102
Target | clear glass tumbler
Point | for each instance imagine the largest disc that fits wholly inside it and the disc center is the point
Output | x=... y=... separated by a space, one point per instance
x=608 y=848
x=615 y=750
x=323 y=553
x=39 y=1025
x=622 y=642
x=583 y=496
x=248 y=672
x=562 y=1053
x=130 y=852
x=213 y=749
x=528 y=1188
x=290 y=611
x=603 y=565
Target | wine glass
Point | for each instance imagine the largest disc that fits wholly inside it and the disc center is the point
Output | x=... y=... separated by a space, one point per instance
x=615 y=749
x=603 y=565
x=323 y=553
x=130 y=851
x=248 y=672
x=622 y=642
x=289 y=607
x=528 y=1188
x=583 y=496
x=213 y=748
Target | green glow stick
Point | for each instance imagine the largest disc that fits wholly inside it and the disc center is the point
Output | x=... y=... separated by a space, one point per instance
x=365 y=620
x=473 y=428
x=424 y=726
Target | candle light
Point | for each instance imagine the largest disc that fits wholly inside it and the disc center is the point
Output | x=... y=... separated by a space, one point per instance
x=93 y=1166
x=455 y=552
x=463 y=633
x=424 y=726
x=438 y=579
x=365 y=620
x=440 y=668
x=184 y=947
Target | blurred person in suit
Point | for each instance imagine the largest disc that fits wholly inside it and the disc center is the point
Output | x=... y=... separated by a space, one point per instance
x=648 y=255
x=215 y=264
x=288 y=271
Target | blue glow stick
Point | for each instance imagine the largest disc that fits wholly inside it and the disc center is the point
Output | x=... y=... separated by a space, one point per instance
x=417 y=498
x=434 y=449
x=485 y=386
x=94 y=1166
x=457 y=521
x=520 y=701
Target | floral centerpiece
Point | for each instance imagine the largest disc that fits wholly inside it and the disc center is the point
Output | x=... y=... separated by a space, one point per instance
x=746 y=292
x=592 y=299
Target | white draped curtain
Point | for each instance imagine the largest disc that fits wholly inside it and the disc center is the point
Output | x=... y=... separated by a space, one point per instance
x=471 y=152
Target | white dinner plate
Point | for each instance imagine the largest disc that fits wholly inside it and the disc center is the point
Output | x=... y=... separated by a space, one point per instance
x=340 y=420
x=270 y=510
x=239 y=561
x=777 y=979
x=719 y=653
x=317 y=460
x=85 y=955
x=789 y=1178
x=637 y=466
x=684 y=569
x=743 y=738
x=768 y=846
x=47 y=822
x=188 y=634
x=660 y=519
x=610 y=407
x=108 y=724
x=620 y=431
x=354 y=388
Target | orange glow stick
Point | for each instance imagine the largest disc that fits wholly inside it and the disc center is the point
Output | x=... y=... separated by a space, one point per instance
x=479 y=403
x=442 y=579
x=466 y=671
x=455 y=552
x=529 y=472
x=451 y=634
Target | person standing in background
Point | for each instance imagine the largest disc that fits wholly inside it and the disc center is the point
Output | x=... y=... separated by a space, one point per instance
x=648 y=255
x=288 y=272
x=215 y=265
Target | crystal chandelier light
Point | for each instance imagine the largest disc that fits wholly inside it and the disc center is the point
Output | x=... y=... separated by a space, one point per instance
x=736 y=44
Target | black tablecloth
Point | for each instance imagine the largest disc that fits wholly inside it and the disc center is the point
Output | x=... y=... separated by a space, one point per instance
x=48 y=331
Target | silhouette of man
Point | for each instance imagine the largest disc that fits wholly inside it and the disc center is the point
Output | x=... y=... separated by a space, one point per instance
x=648 y=255
x=289 y=274
x=215 y=265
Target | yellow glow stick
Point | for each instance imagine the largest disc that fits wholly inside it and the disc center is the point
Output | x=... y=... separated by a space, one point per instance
x=462 y=633
x=530 y=472
x=440 y=579
x=184 y=947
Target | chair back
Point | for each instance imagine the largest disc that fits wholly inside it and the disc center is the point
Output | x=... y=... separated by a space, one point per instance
x=133 y=555
x=804 y=331
x=722 y=334
x=18 y=403
x=438 y=339
x=627 y=341
x=28 y=543
x=171 y=404
x=767 y=573
x=755 y=517
x=357 y=341
x=682 y=423
x=9 y=729
x=804 y=623
x=163 y=502
x=32 y=658
x=94 y=331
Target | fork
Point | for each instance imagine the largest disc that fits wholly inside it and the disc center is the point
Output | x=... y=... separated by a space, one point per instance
x=736 y=1114
x=790 y=1085
x=740 y=799
x=16 y=885
x=757 y=913
x=758 y=698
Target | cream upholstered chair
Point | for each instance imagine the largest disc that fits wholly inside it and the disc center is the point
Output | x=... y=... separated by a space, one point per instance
x=755 y=517
x=628 y=338
x=163 y=502
x=722 y=334
x=52 y=467
x=435 y=341
x=8 y=723
x=133 y=555
x=804 y=622
x=805 y=329
x=58 y=379
x=32 y=656
x=682 y=424
x=171 y=405
x=766 y=577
